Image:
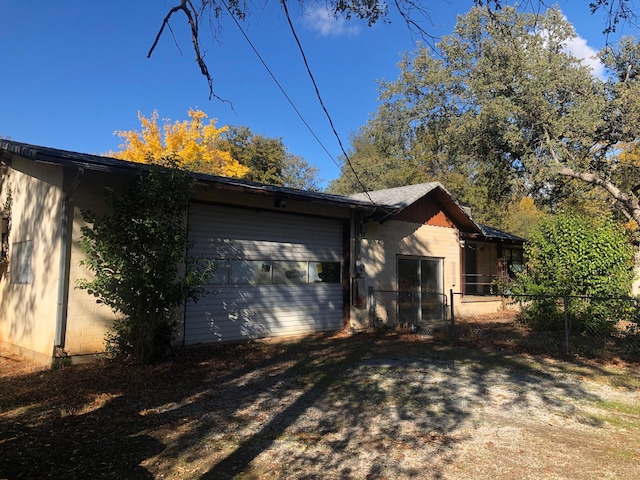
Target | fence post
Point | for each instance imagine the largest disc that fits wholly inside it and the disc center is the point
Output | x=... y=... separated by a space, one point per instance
x=566 y=324
x=453 y=317
x=370 y=301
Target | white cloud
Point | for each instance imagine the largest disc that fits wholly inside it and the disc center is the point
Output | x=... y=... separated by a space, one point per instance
x=323 y=21
x=578 y=48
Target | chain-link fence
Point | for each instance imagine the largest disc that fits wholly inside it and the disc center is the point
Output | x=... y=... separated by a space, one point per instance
x=561 y=324
x=423 y=312
x=581 y=325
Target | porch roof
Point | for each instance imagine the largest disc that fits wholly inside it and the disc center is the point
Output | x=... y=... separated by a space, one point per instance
x=494 y=234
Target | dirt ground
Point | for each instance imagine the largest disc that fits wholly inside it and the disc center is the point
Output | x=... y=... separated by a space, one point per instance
x=325 y=407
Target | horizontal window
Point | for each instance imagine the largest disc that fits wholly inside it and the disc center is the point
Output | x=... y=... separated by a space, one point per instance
x=253 y=272
x=289 y=273
x=324 y=272
x=276 y=272
x=219 y=272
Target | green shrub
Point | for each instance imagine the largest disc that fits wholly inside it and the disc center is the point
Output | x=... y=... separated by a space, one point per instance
x=571 y=255
x=138 y=253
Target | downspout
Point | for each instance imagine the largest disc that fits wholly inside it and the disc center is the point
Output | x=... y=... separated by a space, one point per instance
x=66 y=233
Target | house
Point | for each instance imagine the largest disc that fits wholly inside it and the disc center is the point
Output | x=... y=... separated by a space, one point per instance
x=288 y=261
x=419 y=248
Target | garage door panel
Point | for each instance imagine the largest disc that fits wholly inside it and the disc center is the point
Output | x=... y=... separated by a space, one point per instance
x=227 y=248
x=237 y=312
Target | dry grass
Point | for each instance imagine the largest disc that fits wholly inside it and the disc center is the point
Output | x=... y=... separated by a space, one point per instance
x=365 y=406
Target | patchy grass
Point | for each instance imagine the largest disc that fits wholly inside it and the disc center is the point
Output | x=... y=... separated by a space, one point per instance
x=325 y=407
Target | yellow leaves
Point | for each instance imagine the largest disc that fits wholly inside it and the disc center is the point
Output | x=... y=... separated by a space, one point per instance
x=630 y=155
x=193 y=141
x=523 y=216
x=631 y=226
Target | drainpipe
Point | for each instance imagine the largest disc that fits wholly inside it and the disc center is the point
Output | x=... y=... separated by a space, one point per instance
x=66 y=229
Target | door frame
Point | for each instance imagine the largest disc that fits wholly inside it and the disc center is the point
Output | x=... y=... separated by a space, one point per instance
x=412 y=302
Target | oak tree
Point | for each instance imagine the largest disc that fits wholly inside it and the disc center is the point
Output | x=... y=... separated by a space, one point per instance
x=268 y=160
x=504 y=95
x=415 y=14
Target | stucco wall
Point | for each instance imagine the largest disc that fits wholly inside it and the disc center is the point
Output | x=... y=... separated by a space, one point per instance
x=381 y=245
x=87 y=320
x=29 y=298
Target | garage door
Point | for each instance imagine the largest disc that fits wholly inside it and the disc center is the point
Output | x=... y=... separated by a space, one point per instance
x=275 y=274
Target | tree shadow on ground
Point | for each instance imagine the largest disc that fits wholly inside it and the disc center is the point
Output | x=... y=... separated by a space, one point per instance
x=320 y=407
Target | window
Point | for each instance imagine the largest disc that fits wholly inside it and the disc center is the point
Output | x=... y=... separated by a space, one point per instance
x=220 y=275
x=4 y=254
x=21 y=262
x=324 y=272
x=289 y=273
x=276 y=272
x=513 y=260
x=253 y=272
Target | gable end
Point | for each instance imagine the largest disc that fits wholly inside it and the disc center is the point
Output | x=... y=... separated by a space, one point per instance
x=427 y=211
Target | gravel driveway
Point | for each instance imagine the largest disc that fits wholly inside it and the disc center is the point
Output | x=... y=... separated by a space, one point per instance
x=363 y=407
x=397 y=416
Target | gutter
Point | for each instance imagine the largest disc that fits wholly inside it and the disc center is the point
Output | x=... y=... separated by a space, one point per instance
x=66 y=229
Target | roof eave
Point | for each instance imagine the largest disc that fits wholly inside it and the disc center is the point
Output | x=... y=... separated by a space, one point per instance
x=111 y=165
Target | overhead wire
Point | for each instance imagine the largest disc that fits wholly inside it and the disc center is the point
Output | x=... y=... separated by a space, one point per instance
x=324 y=109
x=296 y=110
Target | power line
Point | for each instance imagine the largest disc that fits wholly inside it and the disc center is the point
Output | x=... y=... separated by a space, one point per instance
x=279 y=85
x=315 y=86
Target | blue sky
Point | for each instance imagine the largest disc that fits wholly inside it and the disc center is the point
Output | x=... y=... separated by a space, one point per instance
x=73 y=72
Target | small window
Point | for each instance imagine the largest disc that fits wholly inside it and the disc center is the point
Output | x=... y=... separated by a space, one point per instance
x=21 y=262
x=253 y=272
x=289 y=273
x=514 y=260
x=4 y=254
x=220 y=273
x=325 y=272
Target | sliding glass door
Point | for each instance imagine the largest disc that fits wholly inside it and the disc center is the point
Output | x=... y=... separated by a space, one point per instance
x=420 y=295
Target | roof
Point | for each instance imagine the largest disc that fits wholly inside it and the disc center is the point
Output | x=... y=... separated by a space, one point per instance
x=398 y=197
x=495 y=234
x=106 y=164
x=386 y=202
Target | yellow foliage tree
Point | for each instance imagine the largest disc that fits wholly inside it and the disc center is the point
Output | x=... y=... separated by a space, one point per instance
x=192 y=141
x=522 y=216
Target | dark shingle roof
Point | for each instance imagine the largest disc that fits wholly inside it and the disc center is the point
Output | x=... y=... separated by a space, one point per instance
x=494 y=233
x=107 y=164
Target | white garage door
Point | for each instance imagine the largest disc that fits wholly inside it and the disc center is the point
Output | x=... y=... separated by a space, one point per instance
x=276 y=274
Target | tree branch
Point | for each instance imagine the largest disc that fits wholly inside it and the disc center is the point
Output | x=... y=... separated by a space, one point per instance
x=192 y=16
x=631 y=206
x=628 y=202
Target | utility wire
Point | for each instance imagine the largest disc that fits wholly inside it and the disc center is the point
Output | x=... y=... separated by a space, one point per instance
x=281 y=88
x=273 y=77
x=326 y=112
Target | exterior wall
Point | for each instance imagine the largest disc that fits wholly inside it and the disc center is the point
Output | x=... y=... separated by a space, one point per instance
x=87 y=320
x=29 y=300
x=260 y=201
x=381 y=245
